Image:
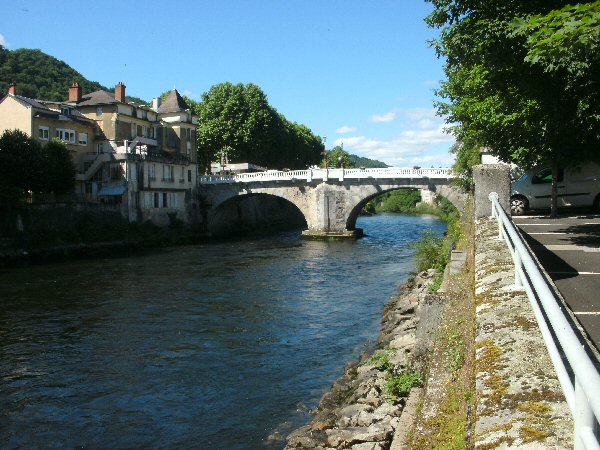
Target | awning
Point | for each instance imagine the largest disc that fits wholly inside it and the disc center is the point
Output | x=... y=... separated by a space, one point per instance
x=112 y=190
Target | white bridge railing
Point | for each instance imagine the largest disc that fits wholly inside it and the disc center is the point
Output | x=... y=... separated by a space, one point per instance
x=326 y=174
x=583 y=392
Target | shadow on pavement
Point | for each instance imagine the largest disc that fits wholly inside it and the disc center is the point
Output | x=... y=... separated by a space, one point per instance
x=549 y=260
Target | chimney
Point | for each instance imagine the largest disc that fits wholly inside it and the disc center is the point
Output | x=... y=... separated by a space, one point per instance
x=11 y=89
x=155 y=104
x=75 y=93
x=120 y=92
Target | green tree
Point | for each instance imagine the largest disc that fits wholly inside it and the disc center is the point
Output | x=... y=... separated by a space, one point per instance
x=467 y=156
x=238 y=118
x=497 y=92
x=21 y=165
x=337 y=157
x=58 y=169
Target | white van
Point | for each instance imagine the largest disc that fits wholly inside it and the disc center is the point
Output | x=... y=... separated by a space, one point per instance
x=577 y=187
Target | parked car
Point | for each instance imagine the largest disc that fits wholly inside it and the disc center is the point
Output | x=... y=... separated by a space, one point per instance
x=577 y=187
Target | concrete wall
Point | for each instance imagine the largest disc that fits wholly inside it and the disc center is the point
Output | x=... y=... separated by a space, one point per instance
x=491 y=178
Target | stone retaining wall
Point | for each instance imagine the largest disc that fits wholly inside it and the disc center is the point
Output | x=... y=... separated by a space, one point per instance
x=356 y=413
x=519 y=400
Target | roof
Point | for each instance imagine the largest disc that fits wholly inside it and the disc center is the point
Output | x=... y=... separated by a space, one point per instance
x=30 y=102
x=173 y=103
x=100 y=97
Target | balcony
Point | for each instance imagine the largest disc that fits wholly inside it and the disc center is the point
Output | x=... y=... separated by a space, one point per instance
x=168 y=180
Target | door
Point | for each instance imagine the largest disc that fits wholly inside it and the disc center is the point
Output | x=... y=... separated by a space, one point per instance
x=541 y=189
x=582 y=185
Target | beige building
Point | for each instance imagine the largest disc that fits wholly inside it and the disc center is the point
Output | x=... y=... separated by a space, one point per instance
x=143 y=157
x=47 y=121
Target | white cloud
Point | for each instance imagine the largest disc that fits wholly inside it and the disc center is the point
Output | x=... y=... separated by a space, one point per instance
x=191 y=94
x=345 y=129
x=422 y=140
x=385 y=118
x=3 y=41
x=431 y=83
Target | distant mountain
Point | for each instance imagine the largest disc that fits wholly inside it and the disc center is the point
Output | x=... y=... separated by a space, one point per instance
x=359 y=161
x=41 y=76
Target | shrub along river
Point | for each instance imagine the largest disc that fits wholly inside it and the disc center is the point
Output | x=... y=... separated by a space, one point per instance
x=217 y=346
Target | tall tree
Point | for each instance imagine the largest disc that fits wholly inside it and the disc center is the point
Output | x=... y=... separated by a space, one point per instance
x=498 y=94
x=337 y=157
x=238 y=119
x=58 y=169
x=21 y=166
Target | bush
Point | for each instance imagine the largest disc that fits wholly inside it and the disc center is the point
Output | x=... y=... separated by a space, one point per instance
x=398 y=385
x=432 y=252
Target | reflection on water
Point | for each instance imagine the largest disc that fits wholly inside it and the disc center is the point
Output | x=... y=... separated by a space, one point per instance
x=209 y=346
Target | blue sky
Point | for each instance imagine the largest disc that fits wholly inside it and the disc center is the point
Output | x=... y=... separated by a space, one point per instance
x=358 y=72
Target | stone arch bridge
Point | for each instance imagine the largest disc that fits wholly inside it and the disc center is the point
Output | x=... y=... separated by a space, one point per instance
x=329 y=199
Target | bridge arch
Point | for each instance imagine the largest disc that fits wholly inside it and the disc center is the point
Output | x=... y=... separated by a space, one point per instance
x=356 y=209
x=250 y=212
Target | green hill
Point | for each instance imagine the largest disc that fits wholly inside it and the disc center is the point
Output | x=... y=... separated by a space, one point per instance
x=41 y=76
x=359 y=161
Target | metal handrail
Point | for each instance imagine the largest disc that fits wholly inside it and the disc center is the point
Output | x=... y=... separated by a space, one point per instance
x=583 y=393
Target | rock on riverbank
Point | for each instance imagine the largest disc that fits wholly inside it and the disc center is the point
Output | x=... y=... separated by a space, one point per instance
x=357 y=413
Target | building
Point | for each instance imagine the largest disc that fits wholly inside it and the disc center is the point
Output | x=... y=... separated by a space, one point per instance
x=142 y=157
x=44 y=122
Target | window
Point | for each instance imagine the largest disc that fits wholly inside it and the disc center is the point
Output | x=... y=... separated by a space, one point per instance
x=147 y=200
x=173 y=199
x=164 y=200
x=44 y=133
x=190 y=176
x=83 y=138
x=99 y=111
x=100 y=147
x=151 y=172
x=168 y=174
x=65 y=111
x=156 y=199
x=66 y=135
x=115 y=172
x=545 y=176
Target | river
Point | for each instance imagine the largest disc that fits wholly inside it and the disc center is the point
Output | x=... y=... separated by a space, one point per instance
x=216 y=346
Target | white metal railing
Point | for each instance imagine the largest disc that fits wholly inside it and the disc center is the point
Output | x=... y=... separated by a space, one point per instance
x=326 y=174
x=582 y=393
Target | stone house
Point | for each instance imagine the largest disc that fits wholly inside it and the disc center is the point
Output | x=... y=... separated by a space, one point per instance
x=141 y=157
x=44 y=122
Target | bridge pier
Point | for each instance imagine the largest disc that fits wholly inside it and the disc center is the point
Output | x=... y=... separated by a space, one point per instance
x=329 y=215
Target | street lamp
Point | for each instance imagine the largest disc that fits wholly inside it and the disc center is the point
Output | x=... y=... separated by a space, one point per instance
x=325 y=150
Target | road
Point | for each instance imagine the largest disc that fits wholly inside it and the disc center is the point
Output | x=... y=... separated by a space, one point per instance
x=569 y=249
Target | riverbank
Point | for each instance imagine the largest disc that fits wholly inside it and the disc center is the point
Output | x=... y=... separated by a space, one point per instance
x=363 y=409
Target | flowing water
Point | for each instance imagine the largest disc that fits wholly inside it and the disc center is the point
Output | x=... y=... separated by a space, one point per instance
x=218 y=346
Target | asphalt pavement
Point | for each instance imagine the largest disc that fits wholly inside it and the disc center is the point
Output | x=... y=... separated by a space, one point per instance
x=568 y=248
